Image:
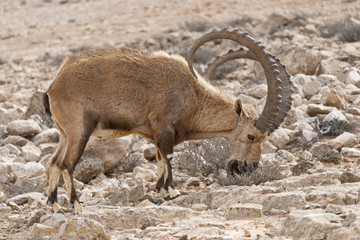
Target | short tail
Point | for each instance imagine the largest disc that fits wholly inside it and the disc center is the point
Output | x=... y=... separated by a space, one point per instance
x=46 y=104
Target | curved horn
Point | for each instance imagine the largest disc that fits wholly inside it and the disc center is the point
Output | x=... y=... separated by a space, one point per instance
x=278 y=100
x=231 y=55
x=286 y=85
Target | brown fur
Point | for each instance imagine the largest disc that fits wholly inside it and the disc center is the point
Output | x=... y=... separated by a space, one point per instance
x=113 y=93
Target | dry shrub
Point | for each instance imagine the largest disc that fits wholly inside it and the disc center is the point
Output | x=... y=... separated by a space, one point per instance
x=335 y=127
x=200 y=25
x=264 y=173
x=347 y=30
x=203 y=157
x=331 y=157
x=52 y=60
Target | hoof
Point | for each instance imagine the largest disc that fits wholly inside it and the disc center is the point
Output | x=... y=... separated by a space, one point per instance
x=170 y=194
x=77 y=207
x=57 y=209
x=173 y=193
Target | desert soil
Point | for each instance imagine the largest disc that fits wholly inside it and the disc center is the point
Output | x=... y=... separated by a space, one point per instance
x=300 y=196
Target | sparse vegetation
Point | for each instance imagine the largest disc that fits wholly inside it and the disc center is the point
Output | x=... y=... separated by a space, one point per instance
x=264 y=173
x=200 y=25
x=204 y=157
x=346 y=30
x=332 y=157
x=52 y=60
x=334 y=127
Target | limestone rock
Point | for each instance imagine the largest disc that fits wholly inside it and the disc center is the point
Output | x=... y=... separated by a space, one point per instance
x=353 y=77
x=320 y=149
x=78 y=228
x=26 y=198
x=336 y=99
x=16 y=140
x=310 y=224
x=283 y=201
x=346 y=139
x=112 y=151
x=30 y=152
x=350 y=152
x=334 y=67
x=30 y=169
x=314 y=109
x=141 y=173
x=280 y=137
x=240 y=211
x=40 y=230
x=349 y=177
x=88 y=168
x=311 y=88
x=335 y=114
x=47 y=136
x=259 y=91
x=23 y=128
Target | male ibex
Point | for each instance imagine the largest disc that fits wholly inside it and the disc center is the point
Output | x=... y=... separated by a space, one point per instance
x=113 y=93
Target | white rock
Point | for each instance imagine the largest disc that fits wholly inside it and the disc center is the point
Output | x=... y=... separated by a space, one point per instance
x=309 y=135
x=311 y=224
x=346 y=139
x=335 y=114
x=334 y=67
x=113 y=151
x=40 y=230
x=4 y=176
x=280 y=137
x=30 y=169
x=141 y=173
x=259 y=91
x=320 y=149
x=240 y=211
x=26 y=198
x=316 y=109
x=311 y=88
x=47 y=136
x=31 y=152
x=350 y=152
x=353 y=77
x=78 y=228
x=268 y=147
x=23 y=128
x=13 y=149
x=284 y=201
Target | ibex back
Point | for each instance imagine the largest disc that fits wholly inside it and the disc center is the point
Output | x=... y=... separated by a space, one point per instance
x=113 y=93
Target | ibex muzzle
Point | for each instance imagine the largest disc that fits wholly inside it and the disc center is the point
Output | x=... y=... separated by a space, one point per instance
x=113 y=93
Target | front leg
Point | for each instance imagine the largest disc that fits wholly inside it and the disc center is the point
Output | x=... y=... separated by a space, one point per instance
x=164 y=143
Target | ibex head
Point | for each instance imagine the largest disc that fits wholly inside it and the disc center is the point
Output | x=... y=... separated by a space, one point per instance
x=247 y=137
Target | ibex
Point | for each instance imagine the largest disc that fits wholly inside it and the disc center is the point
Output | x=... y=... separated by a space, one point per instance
x=113 y=93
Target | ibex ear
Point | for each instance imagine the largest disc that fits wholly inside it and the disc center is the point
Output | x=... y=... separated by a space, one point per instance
x=238 y=107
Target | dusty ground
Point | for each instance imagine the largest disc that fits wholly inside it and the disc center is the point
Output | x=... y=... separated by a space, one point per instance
x=30 y=28
x=36 y=35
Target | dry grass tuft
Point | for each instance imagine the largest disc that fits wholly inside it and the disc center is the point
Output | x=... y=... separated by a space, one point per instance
x=347 y=30
x=264 y=173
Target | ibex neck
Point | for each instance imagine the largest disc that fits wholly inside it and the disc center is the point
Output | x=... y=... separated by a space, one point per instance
x=216 y=117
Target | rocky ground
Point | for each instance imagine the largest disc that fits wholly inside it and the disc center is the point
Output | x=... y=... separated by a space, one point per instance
x=308 y=186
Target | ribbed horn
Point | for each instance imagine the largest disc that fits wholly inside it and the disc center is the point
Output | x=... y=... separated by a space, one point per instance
x=278 y=101
x=231 y=55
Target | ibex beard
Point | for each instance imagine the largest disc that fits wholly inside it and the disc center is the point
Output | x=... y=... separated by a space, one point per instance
x=114 y=93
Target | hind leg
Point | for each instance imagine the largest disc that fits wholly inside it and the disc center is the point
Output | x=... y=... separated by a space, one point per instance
x=54 y=173
x=74 y=149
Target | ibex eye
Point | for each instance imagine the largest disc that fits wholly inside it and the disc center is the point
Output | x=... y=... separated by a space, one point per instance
x=251 y=137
